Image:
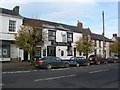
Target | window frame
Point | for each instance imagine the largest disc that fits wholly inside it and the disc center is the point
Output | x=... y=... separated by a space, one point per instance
x=51 y=33
x=12 y=26
x=69 y=37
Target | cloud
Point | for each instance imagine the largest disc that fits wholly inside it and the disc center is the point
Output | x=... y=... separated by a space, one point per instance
x=89 y=13
x=70 y=11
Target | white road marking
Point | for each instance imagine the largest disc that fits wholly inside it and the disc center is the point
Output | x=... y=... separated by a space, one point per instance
x=56 y=69
x=15 y=72
x=2 y=84
x=54 y=78
x=59 y=69
x=116 y=67
x=33 y=70
x=96 y=71
x=105 y=69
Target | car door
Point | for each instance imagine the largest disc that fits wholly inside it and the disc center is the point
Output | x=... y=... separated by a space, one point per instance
x=59 y=62
x=53 y=61
x=80 y=60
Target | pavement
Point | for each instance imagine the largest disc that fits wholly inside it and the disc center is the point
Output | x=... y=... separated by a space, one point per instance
x=10 y=66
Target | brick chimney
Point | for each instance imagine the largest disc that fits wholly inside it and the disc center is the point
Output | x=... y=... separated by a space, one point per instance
x=16 y=9
x=79 y=24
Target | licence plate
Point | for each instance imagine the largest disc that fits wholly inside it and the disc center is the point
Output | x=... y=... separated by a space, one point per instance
x=71 y=61
x=91 y=61
x=36 y=64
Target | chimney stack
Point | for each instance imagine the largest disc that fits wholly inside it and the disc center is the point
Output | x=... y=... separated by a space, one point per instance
x=115 y=35
x=16 y=9
x=79 y=24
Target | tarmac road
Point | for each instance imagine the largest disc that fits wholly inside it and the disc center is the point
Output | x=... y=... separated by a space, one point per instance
x=93 y=76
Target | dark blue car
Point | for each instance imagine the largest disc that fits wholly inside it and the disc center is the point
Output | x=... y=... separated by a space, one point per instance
x=77 y=61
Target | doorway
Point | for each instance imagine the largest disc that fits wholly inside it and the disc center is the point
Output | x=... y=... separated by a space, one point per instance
x=25 y=55
x=74 y=52
x=51 y=51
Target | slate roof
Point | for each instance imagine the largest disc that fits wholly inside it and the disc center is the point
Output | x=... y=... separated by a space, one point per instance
x=68 y=28
x=9 y=12
x=56 y=25
x=99 y=37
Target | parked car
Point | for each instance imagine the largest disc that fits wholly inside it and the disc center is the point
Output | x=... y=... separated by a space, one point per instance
x=113 y=59
x=97 y=59
x=50 y=62
x=77 y=61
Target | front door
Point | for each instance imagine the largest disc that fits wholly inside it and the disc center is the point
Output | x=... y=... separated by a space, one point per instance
x=25 y=55
x=51 y=51
x=74 y=52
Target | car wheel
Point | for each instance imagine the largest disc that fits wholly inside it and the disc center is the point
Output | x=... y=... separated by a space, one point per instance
x=66 y=65
x=88 y=64
x=77 y=65
x=49 y=66
x=114 y=61
x=98 y=63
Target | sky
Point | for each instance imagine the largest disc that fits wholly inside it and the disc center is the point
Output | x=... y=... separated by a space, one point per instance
x=70 y=11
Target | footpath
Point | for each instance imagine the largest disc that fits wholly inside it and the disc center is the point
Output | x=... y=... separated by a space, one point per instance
x=12 y=66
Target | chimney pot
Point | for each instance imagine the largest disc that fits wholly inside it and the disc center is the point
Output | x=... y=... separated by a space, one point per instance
x=115 y=35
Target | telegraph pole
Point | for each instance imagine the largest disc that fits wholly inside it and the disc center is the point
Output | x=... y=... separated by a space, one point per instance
x=103 y=34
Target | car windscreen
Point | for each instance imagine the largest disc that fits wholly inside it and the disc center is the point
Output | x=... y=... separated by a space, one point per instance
x=45 y=58
x=72 y=58
x=80 y=58
x=115 y=57
x=92 y=56
x=110 y=57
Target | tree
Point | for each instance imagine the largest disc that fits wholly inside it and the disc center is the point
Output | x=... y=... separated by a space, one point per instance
x=29 y=36
x=114 y=47
x=84 y=44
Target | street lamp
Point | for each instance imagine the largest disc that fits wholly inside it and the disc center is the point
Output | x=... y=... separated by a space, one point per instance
x=103 y=34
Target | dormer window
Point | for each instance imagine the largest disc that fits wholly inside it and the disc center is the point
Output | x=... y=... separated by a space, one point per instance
x=12 y=26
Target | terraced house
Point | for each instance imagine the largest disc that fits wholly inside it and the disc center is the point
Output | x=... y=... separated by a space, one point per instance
x=60 y=41
x=10 y=22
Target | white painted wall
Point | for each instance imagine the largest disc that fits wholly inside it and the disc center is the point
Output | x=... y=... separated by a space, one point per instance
x=20 y=54
x=58 y=52
x=107 y=49
x=6 y=35
x=13 y=51
x=4 y=19
x=76 y=36
x=0 y=25
x=101 y=48
x=59 y=35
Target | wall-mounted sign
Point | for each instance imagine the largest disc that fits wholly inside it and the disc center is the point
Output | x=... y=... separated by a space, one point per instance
x=61 y=44
x=4 y=51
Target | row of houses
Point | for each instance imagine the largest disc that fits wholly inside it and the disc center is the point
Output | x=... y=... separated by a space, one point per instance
x=61 y=38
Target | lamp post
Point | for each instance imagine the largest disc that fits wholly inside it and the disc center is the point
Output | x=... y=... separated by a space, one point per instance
x=103 y=34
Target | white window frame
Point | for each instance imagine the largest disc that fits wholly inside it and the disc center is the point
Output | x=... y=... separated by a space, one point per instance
x=12 y=26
